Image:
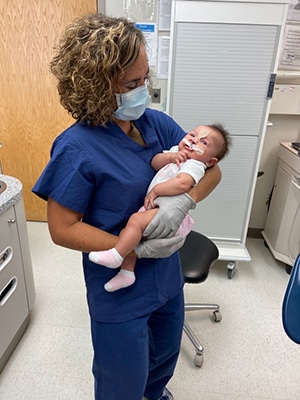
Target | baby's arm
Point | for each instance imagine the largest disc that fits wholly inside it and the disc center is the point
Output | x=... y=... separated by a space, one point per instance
x=180 y=184
x=162 y=159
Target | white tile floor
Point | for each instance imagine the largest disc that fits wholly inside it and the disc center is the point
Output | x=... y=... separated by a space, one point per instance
x=247 y=355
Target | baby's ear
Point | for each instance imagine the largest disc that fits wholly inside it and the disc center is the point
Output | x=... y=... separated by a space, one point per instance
x=212 y=161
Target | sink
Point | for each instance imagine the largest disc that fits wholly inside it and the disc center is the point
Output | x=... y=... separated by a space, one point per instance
x=2 y=186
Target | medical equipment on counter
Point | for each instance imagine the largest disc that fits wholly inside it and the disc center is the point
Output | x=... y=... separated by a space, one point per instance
x=296 y=146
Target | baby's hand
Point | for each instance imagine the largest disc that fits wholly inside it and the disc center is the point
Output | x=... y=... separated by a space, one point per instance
x=179 y=157
x=149 y=199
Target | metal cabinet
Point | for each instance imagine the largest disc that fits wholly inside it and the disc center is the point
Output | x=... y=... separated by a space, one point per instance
x=16 y=281
x=224 y=57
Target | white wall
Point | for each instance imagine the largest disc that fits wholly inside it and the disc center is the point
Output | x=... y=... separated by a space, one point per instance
x=114 y=8
x=101 y=6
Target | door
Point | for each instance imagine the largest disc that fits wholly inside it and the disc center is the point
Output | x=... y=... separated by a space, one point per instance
x=30 y=113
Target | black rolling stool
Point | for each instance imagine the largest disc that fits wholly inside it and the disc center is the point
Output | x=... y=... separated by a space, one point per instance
x=197 y=255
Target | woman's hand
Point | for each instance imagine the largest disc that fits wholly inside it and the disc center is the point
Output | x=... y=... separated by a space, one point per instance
x=172 y=209
x=171 y=212
x=159 y=248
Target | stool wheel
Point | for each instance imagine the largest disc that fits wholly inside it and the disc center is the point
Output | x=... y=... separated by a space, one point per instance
x=217 y=316
x=231 y=269
x=198 y=360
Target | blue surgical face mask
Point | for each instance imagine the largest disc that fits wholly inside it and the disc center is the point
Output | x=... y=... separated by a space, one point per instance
x=133 y=104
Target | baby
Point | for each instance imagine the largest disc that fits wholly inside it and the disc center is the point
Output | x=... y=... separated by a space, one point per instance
x=179 y=169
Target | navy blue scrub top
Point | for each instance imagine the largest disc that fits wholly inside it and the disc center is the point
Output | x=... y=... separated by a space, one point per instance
x=103 y=174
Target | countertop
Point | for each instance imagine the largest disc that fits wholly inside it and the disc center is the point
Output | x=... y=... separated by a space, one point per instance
x=11 y=194
x=288 y=145
x=289 y=156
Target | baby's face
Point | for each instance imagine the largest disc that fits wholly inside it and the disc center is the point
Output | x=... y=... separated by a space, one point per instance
x=206 y=139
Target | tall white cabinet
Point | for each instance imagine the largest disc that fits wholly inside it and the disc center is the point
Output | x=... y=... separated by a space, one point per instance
x=223 y=61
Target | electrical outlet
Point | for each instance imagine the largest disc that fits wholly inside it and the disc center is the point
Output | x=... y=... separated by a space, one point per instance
x=155 y=98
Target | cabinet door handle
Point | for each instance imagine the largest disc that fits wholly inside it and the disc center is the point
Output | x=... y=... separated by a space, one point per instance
x=8 y=290
x=5 y=257
x=11 y=221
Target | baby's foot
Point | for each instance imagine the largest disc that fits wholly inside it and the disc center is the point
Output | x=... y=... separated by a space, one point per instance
x=109 y=258
x=123 y=279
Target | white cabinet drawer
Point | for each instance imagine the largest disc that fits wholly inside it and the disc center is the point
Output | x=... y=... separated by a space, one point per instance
x=13 y=297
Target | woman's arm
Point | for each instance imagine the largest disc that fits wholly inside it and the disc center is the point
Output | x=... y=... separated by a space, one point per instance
x=207 y=184
x=67 y=230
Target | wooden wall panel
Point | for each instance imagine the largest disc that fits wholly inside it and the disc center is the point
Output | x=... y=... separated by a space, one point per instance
x=30 y=113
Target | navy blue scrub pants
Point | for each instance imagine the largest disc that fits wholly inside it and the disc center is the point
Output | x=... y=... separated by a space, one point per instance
x=137 y=357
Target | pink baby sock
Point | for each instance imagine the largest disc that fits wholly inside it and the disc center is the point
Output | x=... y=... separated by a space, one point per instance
x=109 y=258
x=123 y=279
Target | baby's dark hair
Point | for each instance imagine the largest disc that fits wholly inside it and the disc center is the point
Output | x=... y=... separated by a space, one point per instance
x=227 y=139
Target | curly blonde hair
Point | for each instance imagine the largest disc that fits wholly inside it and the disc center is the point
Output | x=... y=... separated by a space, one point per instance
x=91 y=57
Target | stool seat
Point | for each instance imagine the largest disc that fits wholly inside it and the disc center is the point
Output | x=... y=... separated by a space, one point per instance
x=197 y=255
